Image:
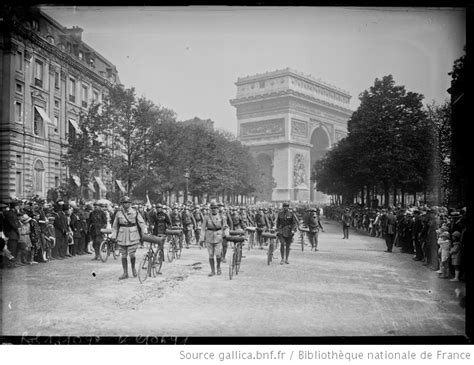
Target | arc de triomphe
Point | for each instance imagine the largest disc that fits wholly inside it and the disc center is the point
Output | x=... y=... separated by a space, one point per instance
x=289 y=120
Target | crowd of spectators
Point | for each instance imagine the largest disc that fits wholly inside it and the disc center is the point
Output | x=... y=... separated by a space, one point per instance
x=435 y=235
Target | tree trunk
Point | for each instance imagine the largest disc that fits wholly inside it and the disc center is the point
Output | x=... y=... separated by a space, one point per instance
x=394 y=194
x=367 y=198
x=403 y=197
x=386 y=194
x=362 y=196
x=414 y=198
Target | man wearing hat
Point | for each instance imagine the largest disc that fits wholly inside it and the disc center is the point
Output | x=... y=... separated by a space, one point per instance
x=189 y=224
x=286 y=224
x=214 y=225
x=11 y=229
x=176 y=222
x=346 y=222
x=199 y=218
x=311 y=220
x=128 y=227
x=262 y=224
x=159 y=220
x=97 y=221
x=59 y=251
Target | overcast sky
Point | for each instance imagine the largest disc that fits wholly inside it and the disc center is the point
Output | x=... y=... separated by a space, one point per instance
x=188 y=58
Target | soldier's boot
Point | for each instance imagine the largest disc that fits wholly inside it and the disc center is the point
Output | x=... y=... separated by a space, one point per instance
x=213 y=270
x=282 y=253
x=132 y=262
x=287 y=254
x=125 y=269
x=219 y=272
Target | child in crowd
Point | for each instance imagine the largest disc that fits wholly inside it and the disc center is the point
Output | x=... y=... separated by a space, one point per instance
x=444 y=244
x=455 y=253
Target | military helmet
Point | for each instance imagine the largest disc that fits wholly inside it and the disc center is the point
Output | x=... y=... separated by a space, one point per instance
x=125 y=199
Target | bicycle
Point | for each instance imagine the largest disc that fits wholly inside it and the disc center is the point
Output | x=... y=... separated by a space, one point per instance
x=174 y=248
x=303 y=230
x=237 y=238
x=271 y=235
x=251 y=234
x=153 y=260
x=108 y=245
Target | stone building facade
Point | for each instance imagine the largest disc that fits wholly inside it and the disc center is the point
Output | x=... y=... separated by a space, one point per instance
x=289 y=120
x=48 y=77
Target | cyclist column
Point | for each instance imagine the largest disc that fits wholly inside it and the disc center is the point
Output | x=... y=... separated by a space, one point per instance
x=125 y=228
x=286 y=224
x=214 y=224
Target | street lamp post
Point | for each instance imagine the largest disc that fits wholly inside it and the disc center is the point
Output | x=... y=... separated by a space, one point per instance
x=186 y=176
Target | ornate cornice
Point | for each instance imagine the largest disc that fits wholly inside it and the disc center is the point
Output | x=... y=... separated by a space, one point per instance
x=62 y=56
x=289 y=92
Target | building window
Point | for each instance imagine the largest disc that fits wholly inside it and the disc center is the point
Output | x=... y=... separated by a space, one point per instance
x=56 y=80
x=38 y=176
x=84 y=95
x=69 y=47
x=56 y=181
x=95 y=97
x=72 y=90
x=18 y=112
x=262 y=84
x=19 y=88
x=56 y=103
x=38 y=124
x=56 y=120
x=18 y=184
x=39 y=71
x=19 y=61
x=81 y=55
x=92 y=63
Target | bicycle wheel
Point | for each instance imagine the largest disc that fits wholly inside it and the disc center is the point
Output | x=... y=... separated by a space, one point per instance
x=270 y=253
x=238 y=260
x=171 y=252
x=231 y=267
x=151 y=265
x=115 y=251
x=104 y=251
x=178 y=251
x=160 y=257
x=143 y=269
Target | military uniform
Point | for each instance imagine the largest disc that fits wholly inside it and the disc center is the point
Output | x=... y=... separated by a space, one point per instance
x=199 y=218
x=97 y=221
x=286 y=224
x=128 y=227
x=214 y=225
x=189 y=225
x=160 y=221
x=314 y=224
x=346 y=222
x=262 y=225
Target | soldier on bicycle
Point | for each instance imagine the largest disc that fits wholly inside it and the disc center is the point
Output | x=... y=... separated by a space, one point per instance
x=262 y=224
x=286 y=224
x=128 y=227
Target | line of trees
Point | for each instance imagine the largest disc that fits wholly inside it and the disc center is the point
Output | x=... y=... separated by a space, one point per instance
x=143 y=145
x=394 y=145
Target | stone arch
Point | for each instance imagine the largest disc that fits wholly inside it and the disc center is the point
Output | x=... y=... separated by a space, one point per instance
x=38 y=177
x=265 y=164
x=321 y=142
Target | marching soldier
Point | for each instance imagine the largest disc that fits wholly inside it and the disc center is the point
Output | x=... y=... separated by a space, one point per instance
x=97 y=221
x=128 y=227
x=199 y=218
x=189 y=224
x=226 y=215
x=262 y=224
x=160 y=221
x=214 y=225
x=176 y=222
x=314 y=224
x=286 y=224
